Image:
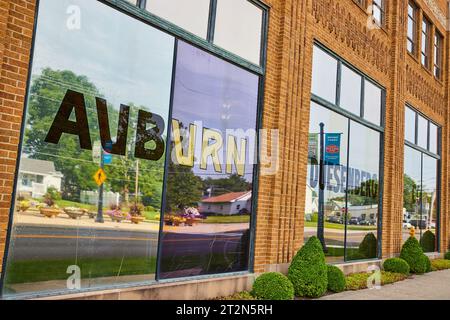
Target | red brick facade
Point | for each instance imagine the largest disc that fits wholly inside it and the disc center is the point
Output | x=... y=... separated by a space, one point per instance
x=294 y=25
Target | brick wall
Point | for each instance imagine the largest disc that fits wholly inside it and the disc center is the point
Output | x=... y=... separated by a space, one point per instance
x=16 y=29
x=382 y=55
x=293 y=26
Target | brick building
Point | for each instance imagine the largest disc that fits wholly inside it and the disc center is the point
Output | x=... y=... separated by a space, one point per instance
x=375 y=67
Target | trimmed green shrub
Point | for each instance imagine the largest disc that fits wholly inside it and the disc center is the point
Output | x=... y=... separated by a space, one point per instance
x=412 y=253
x=428 y=241
x=447 y=256
x=427 y=264
x=273 y=286
x=396 y=265
x=308 y=271
x=336 y=279
x=368 y=247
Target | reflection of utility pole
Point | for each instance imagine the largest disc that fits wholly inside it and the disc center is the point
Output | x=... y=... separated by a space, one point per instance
x=99 y=218
x=136 y=190
x=321 y=213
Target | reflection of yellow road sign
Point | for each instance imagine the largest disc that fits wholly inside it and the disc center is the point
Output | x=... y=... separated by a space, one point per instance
x=100 y=177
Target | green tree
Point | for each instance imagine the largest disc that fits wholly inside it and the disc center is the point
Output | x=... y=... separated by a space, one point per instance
x=47 y=92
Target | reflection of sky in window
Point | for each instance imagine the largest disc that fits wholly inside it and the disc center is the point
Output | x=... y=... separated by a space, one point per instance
x=217 y=93
x=128 y=61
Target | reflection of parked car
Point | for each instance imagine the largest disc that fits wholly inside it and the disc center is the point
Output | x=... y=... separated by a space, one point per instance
x=354 y=221
x=334 y=219
x=421 y=224
x=369 y=222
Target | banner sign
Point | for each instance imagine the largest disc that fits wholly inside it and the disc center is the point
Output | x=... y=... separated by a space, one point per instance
x=313 y=146
x=332 y=148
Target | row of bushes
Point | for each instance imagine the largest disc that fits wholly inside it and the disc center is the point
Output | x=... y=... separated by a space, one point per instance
x=309 y=275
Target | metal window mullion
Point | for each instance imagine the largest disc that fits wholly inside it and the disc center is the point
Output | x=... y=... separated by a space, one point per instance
x=346 y=189
x=338 y=83
x=212 y=21
x=363 y=96
x=142 y=4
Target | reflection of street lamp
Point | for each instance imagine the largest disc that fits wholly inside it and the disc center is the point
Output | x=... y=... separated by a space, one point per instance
x=321 y=213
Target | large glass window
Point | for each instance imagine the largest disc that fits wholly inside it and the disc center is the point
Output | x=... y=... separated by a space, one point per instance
x=212 y=99
x=410 y=125
x=421 y=172
x=85 y=92
x=412 y=28
x=93 y=166
x=342 y=207
x=190 y=15
x=238 y=28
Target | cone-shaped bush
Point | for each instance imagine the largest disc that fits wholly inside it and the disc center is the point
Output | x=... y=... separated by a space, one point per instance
x=308 y=271
x=336 y=279
x=412 y=253
x=447 y=256
x=396 y=265
x=368 y=247
x=427 y=242
x=273 y=286
x=427 y=263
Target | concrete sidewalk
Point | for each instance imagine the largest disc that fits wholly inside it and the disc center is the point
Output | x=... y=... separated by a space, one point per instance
x=431 y=286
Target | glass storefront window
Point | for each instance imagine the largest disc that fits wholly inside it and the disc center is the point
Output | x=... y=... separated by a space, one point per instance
x=350 y=98
x=85 y=92
x=420 y=195
x=363 y=194
x=348 y=224
x=239 y=28
x=212 y=99
x=190 y=15
x=324 y=75
x=98 y=108
x=333 y=231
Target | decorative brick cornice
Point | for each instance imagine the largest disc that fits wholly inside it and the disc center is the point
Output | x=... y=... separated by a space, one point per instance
x=437 y=12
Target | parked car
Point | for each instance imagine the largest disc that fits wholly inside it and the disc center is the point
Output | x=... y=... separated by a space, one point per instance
x=419 y=224
x=334 y=219
x=353 y=221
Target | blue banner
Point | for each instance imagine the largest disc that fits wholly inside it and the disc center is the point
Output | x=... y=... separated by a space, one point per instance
x=332 y=149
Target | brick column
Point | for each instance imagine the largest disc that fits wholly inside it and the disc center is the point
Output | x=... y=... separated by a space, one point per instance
x=16 y=29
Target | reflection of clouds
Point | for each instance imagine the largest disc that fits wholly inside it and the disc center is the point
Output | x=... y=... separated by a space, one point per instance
x=136 y=69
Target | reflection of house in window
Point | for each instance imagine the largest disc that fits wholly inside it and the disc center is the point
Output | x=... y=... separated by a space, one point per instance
x=36 y=176
x=227 y=204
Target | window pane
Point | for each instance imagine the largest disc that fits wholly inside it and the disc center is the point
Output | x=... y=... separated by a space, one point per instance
x=90 y=70
x=411 y=192
x=335 y=184
x=372 y=103
x=350 y=91
x=190 y=15
x=238 y=28
x=429 y=199
x=363 y=194
x=433 y=138
x=422 y=134
x=324 y=75
x=211 y=98
x=410 y=125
